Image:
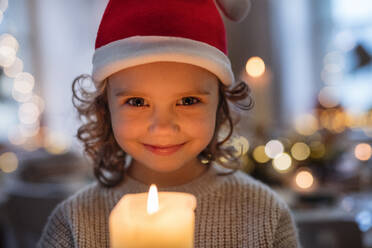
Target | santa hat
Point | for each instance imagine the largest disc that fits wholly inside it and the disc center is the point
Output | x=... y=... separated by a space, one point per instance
x=134 y=32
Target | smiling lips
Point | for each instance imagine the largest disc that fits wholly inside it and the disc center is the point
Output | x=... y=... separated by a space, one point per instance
x=164 y=150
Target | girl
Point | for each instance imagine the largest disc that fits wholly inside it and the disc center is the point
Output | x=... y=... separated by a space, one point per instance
x=163 y=81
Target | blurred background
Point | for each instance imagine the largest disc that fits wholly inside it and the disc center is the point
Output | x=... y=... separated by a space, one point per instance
x=308 y=63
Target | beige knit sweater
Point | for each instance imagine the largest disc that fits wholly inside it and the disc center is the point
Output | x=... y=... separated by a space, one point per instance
x=232 y=211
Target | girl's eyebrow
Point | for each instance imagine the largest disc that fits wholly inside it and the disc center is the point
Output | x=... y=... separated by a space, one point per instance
x=134 y=93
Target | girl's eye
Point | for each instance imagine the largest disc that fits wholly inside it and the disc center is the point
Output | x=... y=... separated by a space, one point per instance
x=139 y=102
x=135 y=102
x=190 y=100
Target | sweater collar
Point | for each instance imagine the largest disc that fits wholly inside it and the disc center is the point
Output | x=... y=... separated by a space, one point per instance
x=207 y=182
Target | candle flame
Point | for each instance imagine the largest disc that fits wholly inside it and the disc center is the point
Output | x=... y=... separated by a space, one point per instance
x=152 y=200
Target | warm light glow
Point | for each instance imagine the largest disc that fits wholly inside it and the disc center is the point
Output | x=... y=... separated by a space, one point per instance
x=56 y=143
x=24 y=83
x=13 y=70
x=152 y=200
x=274 y=148
x=338 y=122
x=304 y=179
x=282 y=162
x=28 y=113
x=317 y=149
x=363 y=151
x=259 y=154
x=8 y=162
x=306 y=124
x=300 y=151
x=325 y=119
x=255 y=67
x=328 y=97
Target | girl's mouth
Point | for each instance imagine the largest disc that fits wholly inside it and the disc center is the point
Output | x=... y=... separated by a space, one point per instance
x=163 y=150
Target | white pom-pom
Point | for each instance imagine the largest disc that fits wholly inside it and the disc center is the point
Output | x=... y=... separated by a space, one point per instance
x=235 y=10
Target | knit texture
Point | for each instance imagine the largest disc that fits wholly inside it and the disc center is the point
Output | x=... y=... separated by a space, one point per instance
x=232 y=211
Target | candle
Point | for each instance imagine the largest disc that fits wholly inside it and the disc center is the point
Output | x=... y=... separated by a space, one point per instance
x=153 y=220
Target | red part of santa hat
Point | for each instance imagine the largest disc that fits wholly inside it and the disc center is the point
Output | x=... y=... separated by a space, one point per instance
x=134 y=32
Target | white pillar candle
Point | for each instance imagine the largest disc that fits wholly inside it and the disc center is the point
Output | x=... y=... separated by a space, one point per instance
x=153 y=220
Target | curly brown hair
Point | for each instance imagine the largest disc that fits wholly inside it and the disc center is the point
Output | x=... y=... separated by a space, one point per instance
x=109 y=159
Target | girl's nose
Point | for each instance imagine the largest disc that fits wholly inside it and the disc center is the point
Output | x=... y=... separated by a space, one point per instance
x=163 y=122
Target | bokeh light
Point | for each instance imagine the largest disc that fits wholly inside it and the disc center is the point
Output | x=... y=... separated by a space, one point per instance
x=8 y=162
x=28 y=113
x=259 y=154
x=1 y=16
x=282 y=162
x=24 y=83
x=274 y=148
x=7 y=56
x=328 y=97
x=334 y=58
x=345 y=40
x=304 y=179
x=300 y=151
x=306 y=124
x=56 y=143
x=13 y=70
x=29 y=130
x=8 y=40
x=338 y=124
x=255 y=67
x=39 y=102
x=15 y=137
x=21 y=97
x=318 y=149
x=363 y=151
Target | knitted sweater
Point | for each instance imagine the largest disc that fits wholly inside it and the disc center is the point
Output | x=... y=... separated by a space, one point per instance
x=232 y=211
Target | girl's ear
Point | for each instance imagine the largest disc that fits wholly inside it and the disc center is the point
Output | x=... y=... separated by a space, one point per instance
x=235 y=10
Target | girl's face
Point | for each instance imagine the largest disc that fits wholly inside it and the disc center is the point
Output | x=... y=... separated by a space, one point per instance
x=162 y=104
